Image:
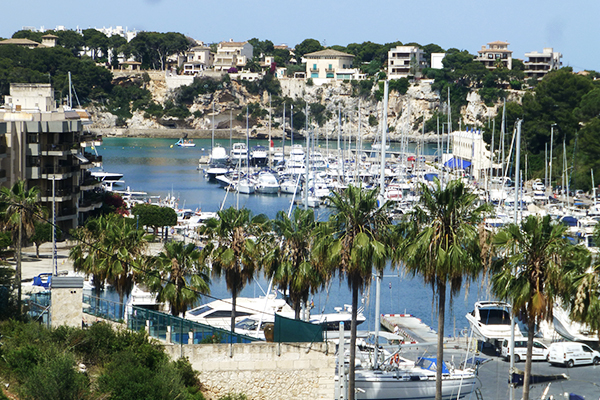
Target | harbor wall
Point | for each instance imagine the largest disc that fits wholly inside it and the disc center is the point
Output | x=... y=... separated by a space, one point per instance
x=262 y=370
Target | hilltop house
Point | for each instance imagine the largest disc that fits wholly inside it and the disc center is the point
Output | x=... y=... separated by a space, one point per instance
x=496 y=52
x=404 y=61
x=232 y=54
x=330 y=64
x=539 y=64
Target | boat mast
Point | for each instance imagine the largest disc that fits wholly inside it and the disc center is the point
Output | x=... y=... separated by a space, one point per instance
x=283 y=135
x=383 y=138
x=517 y=190
x=70 y=92
x=306 y=157
x=212 y=143
x=270 y=141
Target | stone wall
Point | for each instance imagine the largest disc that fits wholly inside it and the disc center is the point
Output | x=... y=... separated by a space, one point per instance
x=66 y=307
x=263 y=371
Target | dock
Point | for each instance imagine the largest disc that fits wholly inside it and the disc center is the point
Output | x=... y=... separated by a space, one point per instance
x=409 y=326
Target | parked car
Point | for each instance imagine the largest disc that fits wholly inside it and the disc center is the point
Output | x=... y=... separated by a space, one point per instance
x=538 y=185
x=572 y=353
x=539 y=351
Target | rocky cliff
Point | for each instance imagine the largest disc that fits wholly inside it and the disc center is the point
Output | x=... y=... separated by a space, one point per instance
x=406 y=113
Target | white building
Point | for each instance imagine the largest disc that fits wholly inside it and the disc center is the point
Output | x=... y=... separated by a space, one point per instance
x=496 y=52
x=436 y=60
x=404 y=61
x=232 y=54
x=469 y=152
x=325 y=65
x=539 y=64
x=196 y=60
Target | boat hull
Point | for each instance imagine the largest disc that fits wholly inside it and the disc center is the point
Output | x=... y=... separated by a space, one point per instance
x=398 y=385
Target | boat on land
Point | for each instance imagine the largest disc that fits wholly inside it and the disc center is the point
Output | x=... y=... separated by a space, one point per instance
x=490 y=321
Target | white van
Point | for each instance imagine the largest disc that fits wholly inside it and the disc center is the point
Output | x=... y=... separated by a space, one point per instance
x=572 y=353
x=539 y=351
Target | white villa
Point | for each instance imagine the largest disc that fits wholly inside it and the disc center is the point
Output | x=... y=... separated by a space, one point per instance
x=495 y=52
x=232 y=54
x=328 y=64
x=197 y=59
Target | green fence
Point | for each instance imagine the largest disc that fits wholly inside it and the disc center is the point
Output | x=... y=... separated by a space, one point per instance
x=183 y=331
x=111 y=310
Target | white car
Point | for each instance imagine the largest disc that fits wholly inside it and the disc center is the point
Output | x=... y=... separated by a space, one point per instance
x=572 y=353
x=539 y=350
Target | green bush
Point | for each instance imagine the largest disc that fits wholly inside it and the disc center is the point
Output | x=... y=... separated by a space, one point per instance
x=56 y=378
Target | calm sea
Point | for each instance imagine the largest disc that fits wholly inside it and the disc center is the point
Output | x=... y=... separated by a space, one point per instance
x=153 y=166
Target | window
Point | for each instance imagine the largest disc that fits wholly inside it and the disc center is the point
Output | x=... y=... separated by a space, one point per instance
x=314 y=75
x=330 y=67
x=314 y=66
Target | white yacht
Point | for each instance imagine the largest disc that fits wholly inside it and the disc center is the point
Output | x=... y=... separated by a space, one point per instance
x=490 y=321
x=259 y=156
x=218 y=313
x=267 y=182
x=239 y=154
x=571 y=330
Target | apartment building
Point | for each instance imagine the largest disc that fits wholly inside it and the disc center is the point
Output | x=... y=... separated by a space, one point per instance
x=404 y=61
x=45 y=146
x=494 y=53
x=232 y=54
x=539 y=64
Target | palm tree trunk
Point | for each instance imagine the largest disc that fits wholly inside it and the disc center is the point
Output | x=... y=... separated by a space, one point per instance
x=233 y=301
x=440 y=344
x=351 y=374
x=527 y=375
x=18 y=268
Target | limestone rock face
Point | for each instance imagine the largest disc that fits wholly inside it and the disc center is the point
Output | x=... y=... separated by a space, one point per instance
x=406 y=113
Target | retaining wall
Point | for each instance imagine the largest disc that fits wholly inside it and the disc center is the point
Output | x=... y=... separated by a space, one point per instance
x=263 y=371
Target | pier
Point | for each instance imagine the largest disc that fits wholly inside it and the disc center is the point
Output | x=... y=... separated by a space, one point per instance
x=409 y=326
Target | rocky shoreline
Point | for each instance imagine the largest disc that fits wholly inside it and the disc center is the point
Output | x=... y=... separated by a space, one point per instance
x=177 y=133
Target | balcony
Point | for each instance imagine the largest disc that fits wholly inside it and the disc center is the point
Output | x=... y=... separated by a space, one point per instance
x=59 y=172
x=58 y=150
x=66 y=213
x=314 y=70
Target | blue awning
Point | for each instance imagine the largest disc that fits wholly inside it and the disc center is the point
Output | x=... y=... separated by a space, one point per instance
x=457 y=163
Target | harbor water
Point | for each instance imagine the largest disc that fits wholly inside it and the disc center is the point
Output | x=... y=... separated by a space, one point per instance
x=154 y=166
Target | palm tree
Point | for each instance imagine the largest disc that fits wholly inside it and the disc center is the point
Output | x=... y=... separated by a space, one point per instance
x=180 y=277
x=353 y=243
x=535 y=269
x=231 y=249
x=441 y=244
x=21 y=209
x=288 y=262
x=111 y=249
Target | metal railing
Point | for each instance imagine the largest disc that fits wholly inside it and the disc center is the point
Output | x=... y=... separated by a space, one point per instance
x=160 y=325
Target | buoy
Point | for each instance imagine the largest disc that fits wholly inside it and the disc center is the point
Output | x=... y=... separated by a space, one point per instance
x=171 y=146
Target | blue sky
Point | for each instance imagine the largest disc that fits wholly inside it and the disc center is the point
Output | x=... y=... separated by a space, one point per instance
x=569 y=27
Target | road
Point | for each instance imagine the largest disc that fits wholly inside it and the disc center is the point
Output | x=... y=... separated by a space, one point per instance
x=583 y=380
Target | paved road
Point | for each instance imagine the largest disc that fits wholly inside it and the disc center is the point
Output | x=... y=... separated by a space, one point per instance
x=583 y=380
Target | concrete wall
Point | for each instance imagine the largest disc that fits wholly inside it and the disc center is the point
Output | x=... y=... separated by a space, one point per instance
x=263 y=370
x=66 y=307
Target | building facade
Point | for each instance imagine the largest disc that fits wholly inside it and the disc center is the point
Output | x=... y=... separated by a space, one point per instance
x=495 y=53
x=405 y=61
x=197 y=59
x=232 y=54
x=45 y=146
x=539 y=64
x=329 y=64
